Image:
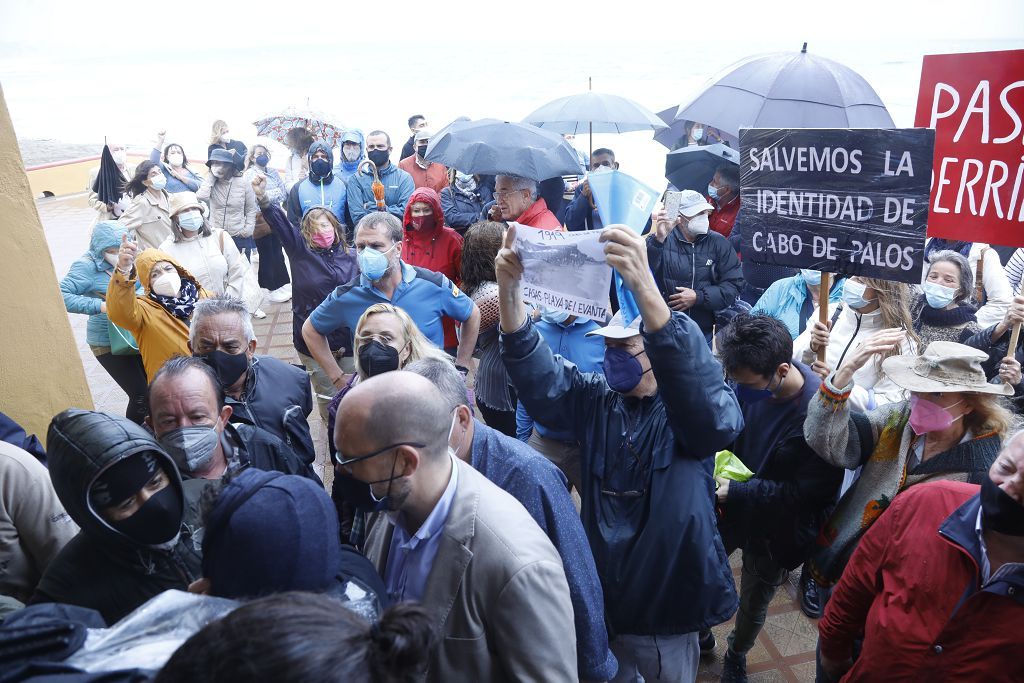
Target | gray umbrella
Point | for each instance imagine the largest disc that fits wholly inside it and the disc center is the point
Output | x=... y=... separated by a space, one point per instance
x=493 y=147
x=692 y=168
x=594 y=112
x=788 y=90
x=672 y=137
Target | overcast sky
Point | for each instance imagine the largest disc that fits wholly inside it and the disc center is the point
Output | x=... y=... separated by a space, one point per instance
x=79 y=71
x=590 y=24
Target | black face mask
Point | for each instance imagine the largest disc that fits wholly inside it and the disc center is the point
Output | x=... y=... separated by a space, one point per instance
x=228 y=366
x=378 y=156
x=376 y=358
x=999 y=512
x=157 y=521
x=422 y=151
x=357 y=494
x=321 y=168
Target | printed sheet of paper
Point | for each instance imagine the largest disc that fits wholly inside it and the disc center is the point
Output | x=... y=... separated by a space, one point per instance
x=564 y=270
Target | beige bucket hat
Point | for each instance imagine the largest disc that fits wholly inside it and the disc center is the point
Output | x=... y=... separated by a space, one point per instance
x=944 y=366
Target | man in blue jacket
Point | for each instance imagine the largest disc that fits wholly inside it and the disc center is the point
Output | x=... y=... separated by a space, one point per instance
x=544 y=492
x=319 y=188
x=398 y=185
x=648 y=430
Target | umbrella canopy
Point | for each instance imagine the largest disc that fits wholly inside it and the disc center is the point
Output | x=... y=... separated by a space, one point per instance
x=109 y=184
x=494 y=147
x=676 y=131
x=321 y=126
x=692 y=168
x=787 y=90
x=594 y=112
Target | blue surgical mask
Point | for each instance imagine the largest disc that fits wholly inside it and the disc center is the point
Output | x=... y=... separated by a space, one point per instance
x=811 y=277
x=374 y=264
x=159 y=182
x=191 y=221
x=712 y=191
x=746 y=395
x=553 y=315
x=938 y=296
x=853 y=294
x=622 y=370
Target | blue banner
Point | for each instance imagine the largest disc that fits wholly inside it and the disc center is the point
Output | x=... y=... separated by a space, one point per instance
x=622 y=199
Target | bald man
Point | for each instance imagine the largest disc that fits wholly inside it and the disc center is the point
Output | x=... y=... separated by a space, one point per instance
x=453 y=540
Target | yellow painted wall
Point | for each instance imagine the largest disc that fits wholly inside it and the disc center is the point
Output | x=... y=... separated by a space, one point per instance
x=66 y=178
x=41 y=372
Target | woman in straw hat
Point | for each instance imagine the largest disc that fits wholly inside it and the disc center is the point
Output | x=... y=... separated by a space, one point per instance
x=952 y=427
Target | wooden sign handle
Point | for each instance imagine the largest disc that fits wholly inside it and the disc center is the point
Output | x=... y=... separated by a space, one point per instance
x=1011 y=351
x=823 y=308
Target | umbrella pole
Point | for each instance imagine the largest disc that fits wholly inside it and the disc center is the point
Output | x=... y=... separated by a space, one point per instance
x=590 y=124
x=823 y=308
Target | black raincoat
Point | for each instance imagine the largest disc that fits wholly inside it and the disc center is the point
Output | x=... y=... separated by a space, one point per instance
x=102 y=568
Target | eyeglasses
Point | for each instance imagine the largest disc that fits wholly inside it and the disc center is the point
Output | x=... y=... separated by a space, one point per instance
x=342 y=461
x=501 y=194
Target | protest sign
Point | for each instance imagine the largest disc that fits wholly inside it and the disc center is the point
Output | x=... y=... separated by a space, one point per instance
x=975 y=103
x=850 y=201
x=622 y=199
x=564 y=270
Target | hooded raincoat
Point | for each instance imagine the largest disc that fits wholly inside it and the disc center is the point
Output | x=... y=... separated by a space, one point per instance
x=343 y=170
x=326 y=191
x=102 y=568
x=438 y=249
x=84 y=288
x=160 y=335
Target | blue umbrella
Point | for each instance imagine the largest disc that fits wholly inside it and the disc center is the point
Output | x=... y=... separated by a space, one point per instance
x=787 y=90
x=494 y=147
x=594 y=112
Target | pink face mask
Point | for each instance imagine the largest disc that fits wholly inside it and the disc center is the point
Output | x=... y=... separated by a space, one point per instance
x=926 y=416
x=324 y=240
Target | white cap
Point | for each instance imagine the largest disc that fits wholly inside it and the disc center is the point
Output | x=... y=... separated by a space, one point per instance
x=616 y=330
x=422 y=134
x=692 y=202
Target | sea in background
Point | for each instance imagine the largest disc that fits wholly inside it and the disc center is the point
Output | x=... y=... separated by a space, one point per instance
x=76 y=97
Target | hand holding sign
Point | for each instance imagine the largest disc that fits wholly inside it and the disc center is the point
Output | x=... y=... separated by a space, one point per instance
x=508 y=270
x=626 y=252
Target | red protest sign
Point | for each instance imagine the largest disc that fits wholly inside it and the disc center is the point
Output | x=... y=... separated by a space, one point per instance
x=975 y=103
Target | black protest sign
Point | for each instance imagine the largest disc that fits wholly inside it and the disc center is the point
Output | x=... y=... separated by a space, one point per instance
x=849 y=201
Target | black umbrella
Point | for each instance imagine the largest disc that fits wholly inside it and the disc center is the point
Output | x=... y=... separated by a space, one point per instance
x=109 y=185
x=692 y=168
x=493 y=147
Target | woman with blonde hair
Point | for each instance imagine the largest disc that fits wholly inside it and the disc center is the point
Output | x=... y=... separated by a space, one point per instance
x=868 y=306
x=952 y=427
x=386 y=339
x=220 y=138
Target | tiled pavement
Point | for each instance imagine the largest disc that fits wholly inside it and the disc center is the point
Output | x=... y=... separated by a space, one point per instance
x=785 y=647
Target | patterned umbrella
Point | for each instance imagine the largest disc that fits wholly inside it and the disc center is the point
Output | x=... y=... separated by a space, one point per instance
x=321 y=126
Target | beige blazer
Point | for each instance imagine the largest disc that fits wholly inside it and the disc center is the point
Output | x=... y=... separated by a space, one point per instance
x=149 y=218
x=497 y=590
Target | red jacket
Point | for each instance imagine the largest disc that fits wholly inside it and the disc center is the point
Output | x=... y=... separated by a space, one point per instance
x=537 y=215
x=724 y=216
x=913 y=589
x=439 y=249
x=434 y=176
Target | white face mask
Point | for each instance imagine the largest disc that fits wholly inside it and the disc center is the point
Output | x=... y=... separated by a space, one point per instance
x=220 y=170
x=176 y=159
x=120 y=157
x=225 y=138
x=168 y=284
x=699 y=225
x=110 y=258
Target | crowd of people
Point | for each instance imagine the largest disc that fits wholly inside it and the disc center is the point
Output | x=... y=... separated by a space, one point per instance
x=520 y=493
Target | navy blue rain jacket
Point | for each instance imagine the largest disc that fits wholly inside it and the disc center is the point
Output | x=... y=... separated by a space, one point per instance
x=648 y=490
